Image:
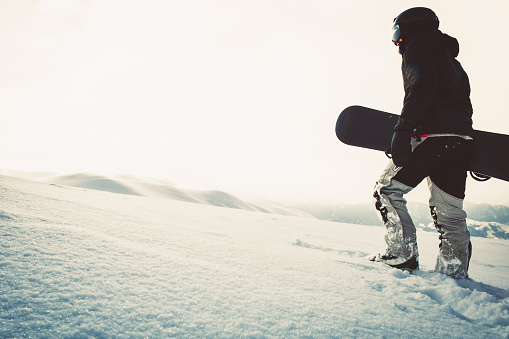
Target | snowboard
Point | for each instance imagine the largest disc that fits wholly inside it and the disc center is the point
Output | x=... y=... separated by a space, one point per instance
x=370 y=128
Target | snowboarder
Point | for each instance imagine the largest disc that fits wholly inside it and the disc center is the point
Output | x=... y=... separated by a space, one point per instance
x=433 y=140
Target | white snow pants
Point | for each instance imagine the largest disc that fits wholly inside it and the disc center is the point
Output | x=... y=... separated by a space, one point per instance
x=442 y=160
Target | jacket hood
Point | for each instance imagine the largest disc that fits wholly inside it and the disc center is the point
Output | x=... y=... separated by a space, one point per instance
x=452 y=44
x=437 y=36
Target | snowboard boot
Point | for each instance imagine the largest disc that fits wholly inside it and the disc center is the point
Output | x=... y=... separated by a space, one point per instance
x=400 y=263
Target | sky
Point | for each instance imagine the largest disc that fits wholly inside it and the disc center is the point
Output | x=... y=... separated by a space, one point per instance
x=240 y=96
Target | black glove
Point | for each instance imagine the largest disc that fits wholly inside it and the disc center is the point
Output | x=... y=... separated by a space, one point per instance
x=400 y=147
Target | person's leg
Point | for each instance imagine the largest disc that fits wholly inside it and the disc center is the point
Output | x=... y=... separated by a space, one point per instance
x=447 y=191
x=450 y=221
x=394 y=183
x=400 y=235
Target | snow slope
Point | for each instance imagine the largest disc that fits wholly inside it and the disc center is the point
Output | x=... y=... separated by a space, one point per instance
x=363 y=214
x=79 y=263
x=161 y=189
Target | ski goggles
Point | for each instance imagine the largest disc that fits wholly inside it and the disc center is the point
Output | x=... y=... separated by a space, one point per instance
x=396 y=34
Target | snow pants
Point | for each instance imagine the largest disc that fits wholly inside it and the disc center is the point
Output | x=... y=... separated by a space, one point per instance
x=443 y=161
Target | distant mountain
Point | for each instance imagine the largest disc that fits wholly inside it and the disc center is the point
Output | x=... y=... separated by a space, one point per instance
x=362 y=214
x=484 y=220
x=488 y=213
x=488 y=229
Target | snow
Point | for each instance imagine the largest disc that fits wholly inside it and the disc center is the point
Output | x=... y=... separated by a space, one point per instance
x=145 y=187
x=80 y=263
x=493 y=230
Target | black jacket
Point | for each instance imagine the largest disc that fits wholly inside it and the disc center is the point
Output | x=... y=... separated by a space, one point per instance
x=437 y=90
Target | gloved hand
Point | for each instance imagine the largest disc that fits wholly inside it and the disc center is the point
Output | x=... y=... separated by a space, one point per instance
x=400 y=147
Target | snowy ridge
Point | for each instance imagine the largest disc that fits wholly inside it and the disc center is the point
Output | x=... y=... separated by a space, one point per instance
x=161 y=189
x=488 y=213
x=492 y=230
x=86 y=263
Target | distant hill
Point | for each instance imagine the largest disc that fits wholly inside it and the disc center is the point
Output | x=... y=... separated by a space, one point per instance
x=484 y=220
x=161 y=189
x=488 y=213
x=488 y=229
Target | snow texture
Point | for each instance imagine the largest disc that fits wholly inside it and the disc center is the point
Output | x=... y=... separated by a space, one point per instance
x=79 y=263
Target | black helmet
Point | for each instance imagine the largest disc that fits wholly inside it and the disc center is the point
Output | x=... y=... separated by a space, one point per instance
x=413 y=15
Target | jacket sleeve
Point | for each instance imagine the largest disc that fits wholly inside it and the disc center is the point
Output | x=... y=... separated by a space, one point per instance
x=420 y=78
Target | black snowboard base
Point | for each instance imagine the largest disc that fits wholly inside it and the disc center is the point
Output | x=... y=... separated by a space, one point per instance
x=370 y=128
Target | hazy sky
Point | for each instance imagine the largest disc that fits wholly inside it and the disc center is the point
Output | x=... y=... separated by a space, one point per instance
x=240 y=95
